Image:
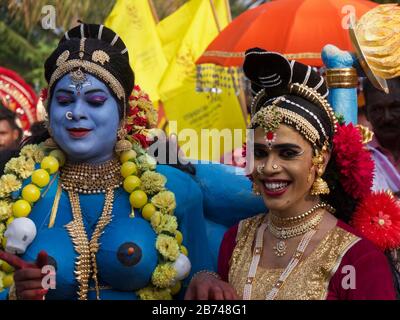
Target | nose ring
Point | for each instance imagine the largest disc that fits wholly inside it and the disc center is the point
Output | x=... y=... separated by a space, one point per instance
x=68 y=115
x=275 y=167
x=260 y=168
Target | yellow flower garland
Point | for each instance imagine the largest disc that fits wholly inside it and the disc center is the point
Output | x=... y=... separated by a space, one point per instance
x=162 y=221
x=146 y=181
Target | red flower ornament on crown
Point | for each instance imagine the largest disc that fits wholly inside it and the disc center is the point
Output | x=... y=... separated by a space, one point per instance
x=141 y=117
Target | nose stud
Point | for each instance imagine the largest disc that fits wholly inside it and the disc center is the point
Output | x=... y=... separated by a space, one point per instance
x=68 y=115
x=260 y=168
x=275 y=167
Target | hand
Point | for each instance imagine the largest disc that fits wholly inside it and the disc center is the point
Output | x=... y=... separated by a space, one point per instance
x=205 y=286
x=28 y=276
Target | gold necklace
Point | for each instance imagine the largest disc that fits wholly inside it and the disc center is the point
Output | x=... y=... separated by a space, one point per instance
x=90 y=178
x=286 y=232
x=86 y=264
x=281 y=220
x=251 y=276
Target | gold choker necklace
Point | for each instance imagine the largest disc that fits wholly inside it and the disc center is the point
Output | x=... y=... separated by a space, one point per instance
x=296 y=219
x=91 y=178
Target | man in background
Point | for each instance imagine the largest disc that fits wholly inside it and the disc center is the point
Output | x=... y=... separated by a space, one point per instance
x=10 y=136
x=10 y=133
x=383 y=112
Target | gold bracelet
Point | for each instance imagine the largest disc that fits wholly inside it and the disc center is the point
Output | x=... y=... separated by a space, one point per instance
x=342 y=78
x=211 y=273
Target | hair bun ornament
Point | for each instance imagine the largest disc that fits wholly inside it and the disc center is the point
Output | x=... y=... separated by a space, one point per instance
x=267 y=70
x=274 y=73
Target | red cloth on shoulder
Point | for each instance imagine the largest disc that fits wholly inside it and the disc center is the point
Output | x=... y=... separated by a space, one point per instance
x=373 y=277
x=225 y=251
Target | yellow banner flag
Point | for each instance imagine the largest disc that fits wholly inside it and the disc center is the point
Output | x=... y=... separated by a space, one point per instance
x=133 y=21
x=186 y=109
x=172 y=29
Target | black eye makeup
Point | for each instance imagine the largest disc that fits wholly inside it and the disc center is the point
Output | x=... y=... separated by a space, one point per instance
x=285 y=151
x=290 y=153
x=260 y=152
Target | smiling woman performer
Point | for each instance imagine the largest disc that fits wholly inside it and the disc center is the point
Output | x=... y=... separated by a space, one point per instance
x=299 y=250
x=88 y=197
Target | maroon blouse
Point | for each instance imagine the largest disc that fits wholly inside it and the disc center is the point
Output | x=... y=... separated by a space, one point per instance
x=374 y=280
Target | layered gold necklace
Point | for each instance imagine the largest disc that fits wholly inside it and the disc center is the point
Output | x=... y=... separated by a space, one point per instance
x=286 y=228
x=89 y=179
x=290 y=227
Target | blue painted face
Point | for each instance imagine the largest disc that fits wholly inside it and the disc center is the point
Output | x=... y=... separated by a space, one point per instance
x=84 y=119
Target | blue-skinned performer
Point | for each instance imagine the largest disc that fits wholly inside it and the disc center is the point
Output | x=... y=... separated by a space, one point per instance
x=89 y=201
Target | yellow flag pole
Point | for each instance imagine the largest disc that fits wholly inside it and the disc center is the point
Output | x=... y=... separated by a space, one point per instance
x=215 y=16
x=228 y=11
x=154 y=11
x=242 y=96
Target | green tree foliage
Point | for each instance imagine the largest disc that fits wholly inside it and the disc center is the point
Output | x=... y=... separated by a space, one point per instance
x=24 y=44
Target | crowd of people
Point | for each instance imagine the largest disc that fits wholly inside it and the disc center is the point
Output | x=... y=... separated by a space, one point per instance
x=316 y=219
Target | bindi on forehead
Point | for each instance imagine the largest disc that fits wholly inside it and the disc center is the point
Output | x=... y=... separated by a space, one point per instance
x=81 y=84
x=283 y=135
x=78 y=80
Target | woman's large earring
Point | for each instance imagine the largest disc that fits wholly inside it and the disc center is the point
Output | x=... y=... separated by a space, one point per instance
x=122 y=144
x=319 y=186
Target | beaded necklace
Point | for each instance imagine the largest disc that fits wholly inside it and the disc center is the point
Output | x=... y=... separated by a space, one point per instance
x=285 y=274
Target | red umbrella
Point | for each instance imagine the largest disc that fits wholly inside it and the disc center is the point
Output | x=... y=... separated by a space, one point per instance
x=297 y=28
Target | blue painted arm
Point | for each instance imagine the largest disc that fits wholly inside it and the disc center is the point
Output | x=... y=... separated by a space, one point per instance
x=343 y=100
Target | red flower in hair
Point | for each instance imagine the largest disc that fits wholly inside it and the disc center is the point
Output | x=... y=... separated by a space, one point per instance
x=128 y=128
x=141 y=139
x=44 y=93
x=133 y=112
x=354 y=161
x=378 y=219
x=140 y=121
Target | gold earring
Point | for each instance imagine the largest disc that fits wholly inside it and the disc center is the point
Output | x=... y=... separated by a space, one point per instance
x=122 y=144
x=319 y=186
x=256 y=191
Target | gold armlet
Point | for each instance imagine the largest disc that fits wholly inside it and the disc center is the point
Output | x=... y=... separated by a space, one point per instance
x=342 y=78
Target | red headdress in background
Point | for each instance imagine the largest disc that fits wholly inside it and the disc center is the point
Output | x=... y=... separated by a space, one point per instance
x=18 y=96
